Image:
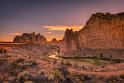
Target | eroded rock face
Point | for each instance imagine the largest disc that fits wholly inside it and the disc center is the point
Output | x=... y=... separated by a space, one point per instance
x=103 y=31
x=40 y=39
x=31 y=38
x=53 y=41
x=69 y=42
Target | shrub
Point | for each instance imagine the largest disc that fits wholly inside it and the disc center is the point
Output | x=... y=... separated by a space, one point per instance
x=88 y=77
x=34 y=63
x=56 y=73
x=2 y=61
x=14 y=64
x=55 y=61
x=122 y=76
x=101 y=56
x=68 y=63
x=112 y=79
x=110 y=56
x=23 y=76
x=62 y=62
x=115 y=61
x=19 y=60
x=46 y=59
x=97 y=62
x=95 y=57
x=2 y=50
x=75 y=65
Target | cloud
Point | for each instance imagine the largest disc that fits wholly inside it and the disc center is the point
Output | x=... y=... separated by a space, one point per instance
x=48 y=32
x=63 y=28
x=15 y=34
x=11 y=34
x=8 y=37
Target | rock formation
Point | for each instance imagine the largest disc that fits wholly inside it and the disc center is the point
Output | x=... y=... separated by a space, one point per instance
x=102 y=31
x=31 y=38
x=69 y=42
x=53 y=40
x=40 y=39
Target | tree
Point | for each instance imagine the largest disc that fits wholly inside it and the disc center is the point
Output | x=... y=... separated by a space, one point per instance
x=110 y=56
x=101 y=56
x=30 y=38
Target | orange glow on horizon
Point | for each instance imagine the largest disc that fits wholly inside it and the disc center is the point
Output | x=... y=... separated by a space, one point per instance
x=63 y=28
x=49 y=37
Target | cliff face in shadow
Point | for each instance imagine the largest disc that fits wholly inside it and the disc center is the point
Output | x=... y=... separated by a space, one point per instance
x=30 y=38
x=69 y=42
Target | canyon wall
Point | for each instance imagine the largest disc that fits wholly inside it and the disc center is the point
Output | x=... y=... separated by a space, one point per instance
x=69 y=42
x=103 y=31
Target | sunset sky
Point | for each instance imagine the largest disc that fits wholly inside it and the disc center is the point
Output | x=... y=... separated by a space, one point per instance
x=50 y=17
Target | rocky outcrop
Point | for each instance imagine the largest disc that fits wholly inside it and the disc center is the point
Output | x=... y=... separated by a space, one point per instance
x=40 y=39
x=31 y=38
x=69 y=41
x=53 y=40
x=103 y=31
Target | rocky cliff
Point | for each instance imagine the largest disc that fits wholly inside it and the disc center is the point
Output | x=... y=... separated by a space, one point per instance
x=69 y=41
x=103 y=31
x=31 y=38
x=54 y=40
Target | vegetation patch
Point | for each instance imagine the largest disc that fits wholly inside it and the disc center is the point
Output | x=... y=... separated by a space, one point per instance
x=68 y=63
x=2 y=50
x=14 y=65
x=122 y=76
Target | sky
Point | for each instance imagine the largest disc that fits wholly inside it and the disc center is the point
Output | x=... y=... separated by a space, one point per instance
x=50 y=17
